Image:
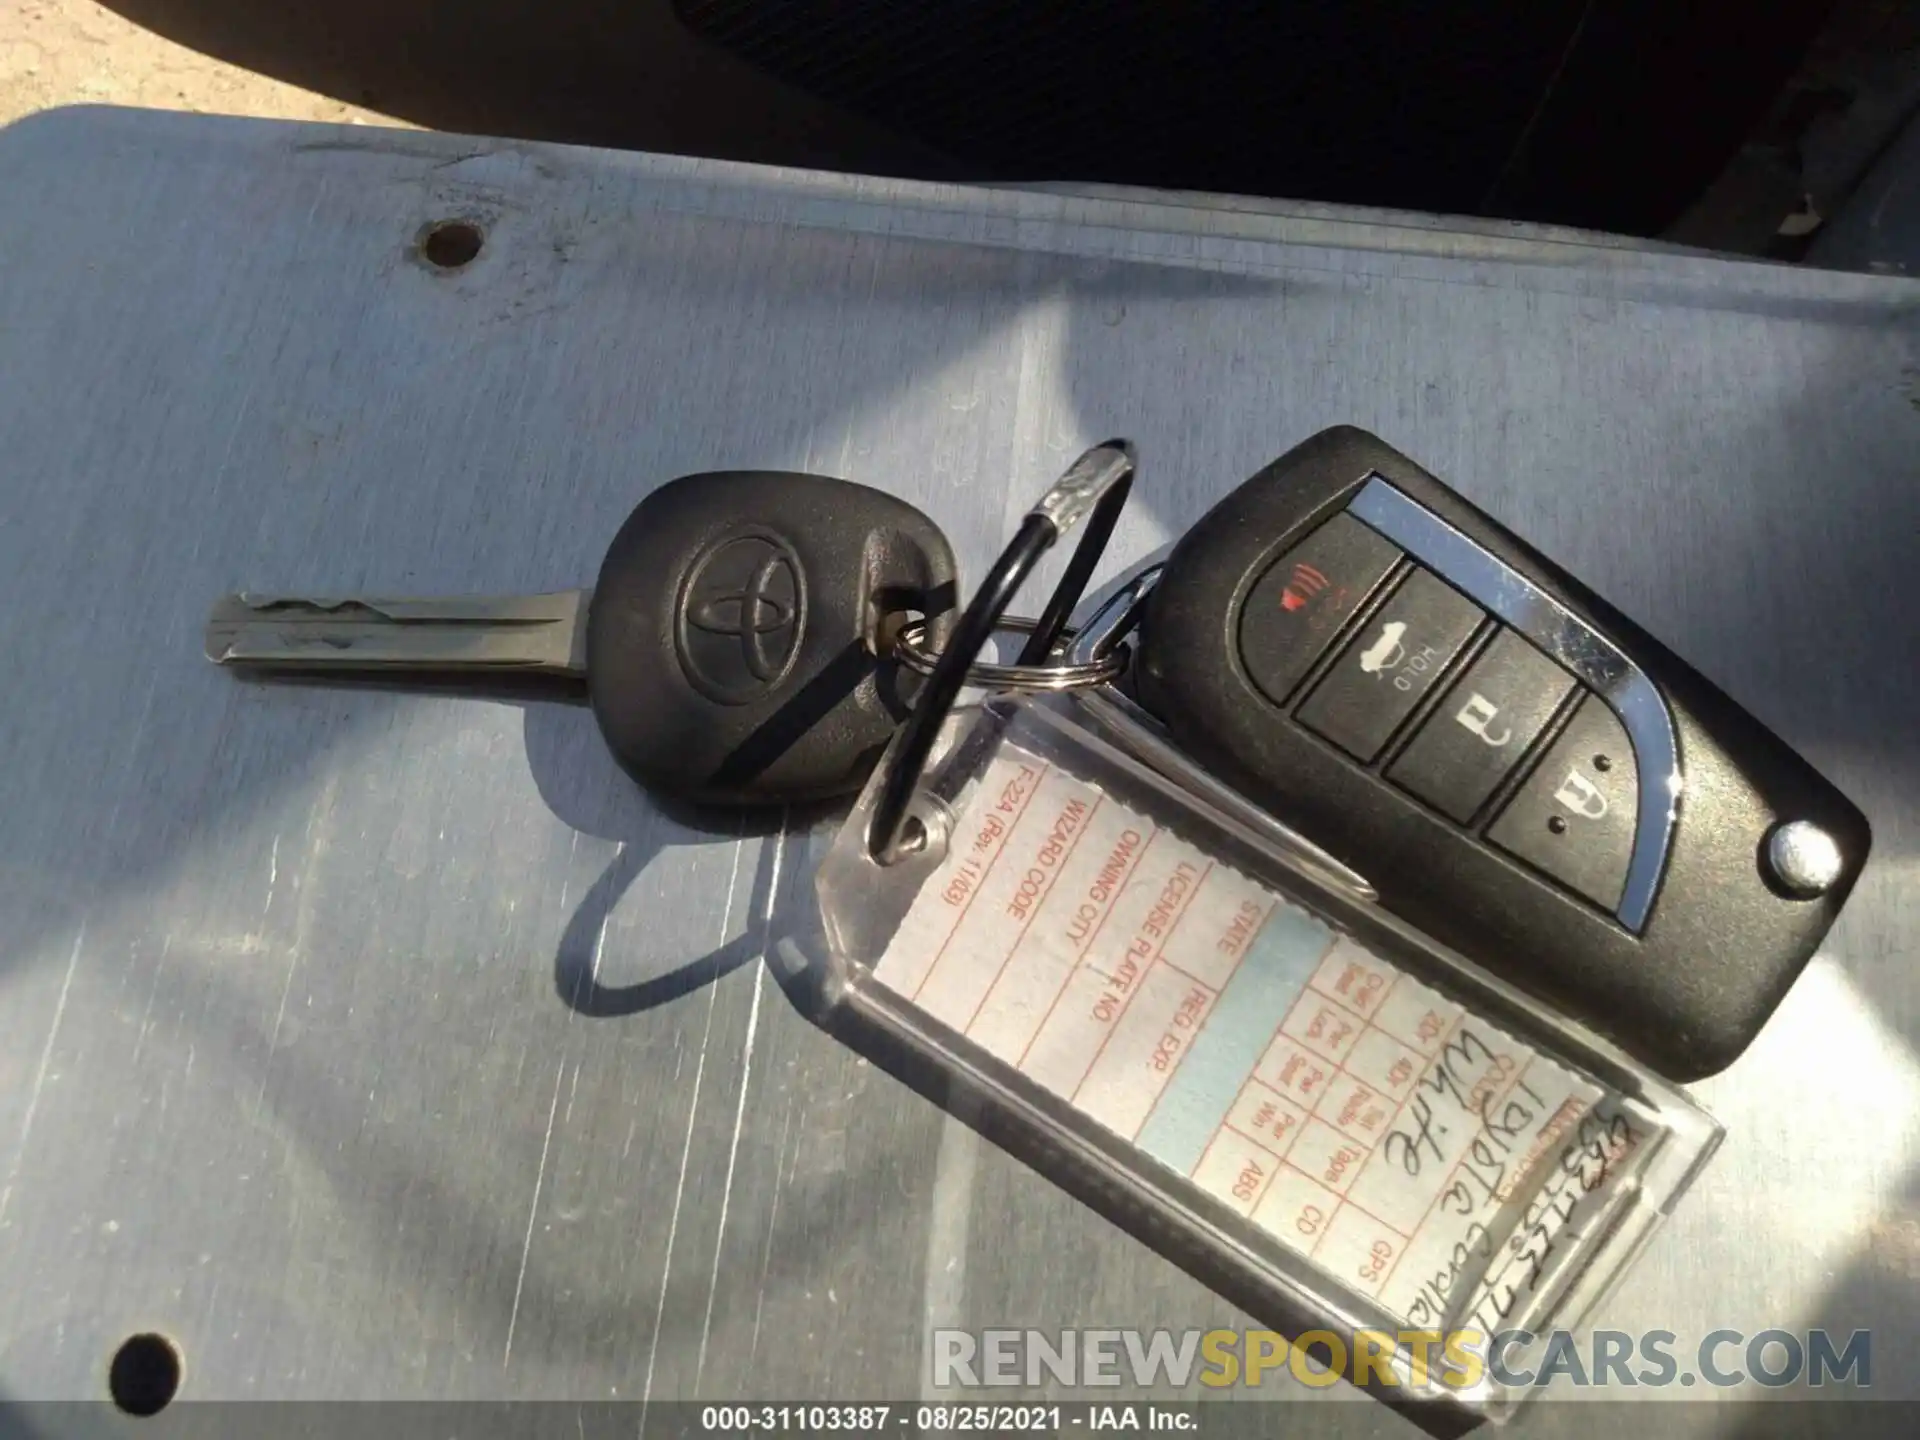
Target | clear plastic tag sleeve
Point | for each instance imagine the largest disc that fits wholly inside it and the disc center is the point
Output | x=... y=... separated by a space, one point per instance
x=1349 y=1121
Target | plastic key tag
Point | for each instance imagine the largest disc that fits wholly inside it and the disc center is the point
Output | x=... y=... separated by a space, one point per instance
x=1333 y=1121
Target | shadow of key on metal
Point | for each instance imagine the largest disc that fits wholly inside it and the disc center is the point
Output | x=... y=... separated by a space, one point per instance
x=645 y=831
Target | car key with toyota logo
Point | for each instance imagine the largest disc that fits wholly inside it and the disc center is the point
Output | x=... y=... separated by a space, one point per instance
x=1524 y=774
x=1350 y=952
x=734 y=646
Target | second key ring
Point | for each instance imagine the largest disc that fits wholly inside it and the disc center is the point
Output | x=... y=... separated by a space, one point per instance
x=910 y=648
x=1093 y=489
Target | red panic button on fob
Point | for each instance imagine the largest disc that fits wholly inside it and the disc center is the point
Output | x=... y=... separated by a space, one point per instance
x=1297 y=607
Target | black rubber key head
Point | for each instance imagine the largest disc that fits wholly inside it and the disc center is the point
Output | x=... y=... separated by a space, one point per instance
x=735 y=635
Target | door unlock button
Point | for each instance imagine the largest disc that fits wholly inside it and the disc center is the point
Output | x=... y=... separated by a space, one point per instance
x=1582 y=796
x=1574 y=818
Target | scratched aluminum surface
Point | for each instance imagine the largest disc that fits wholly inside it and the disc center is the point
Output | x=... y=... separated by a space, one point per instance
x=345 y=1036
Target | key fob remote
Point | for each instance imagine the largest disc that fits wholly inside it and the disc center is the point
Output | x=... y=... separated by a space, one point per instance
x=1520 y=770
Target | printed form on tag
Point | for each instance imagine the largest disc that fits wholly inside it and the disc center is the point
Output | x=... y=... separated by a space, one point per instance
x=1411 y=1149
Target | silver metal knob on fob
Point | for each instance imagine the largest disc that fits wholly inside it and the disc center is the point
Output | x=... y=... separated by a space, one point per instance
x=1804 y=858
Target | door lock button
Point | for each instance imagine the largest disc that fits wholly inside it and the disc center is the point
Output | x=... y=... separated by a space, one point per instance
x=1486 y=723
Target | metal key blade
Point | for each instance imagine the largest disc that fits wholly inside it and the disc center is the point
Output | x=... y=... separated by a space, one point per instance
x=504 y=635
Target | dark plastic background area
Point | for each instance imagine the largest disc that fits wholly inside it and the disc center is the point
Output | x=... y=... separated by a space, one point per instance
x=1604 y=113
x=1613 y=114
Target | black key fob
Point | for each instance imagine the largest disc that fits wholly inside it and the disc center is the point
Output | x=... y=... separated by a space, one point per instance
x=1520 y=770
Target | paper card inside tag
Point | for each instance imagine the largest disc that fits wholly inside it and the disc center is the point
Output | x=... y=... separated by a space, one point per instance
x=1409 y=1148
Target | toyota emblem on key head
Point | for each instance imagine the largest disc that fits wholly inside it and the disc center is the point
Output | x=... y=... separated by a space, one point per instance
x=741 y=617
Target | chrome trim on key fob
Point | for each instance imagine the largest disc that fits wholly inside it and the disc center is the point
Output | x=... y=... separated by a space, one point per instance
x=1590 y=656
